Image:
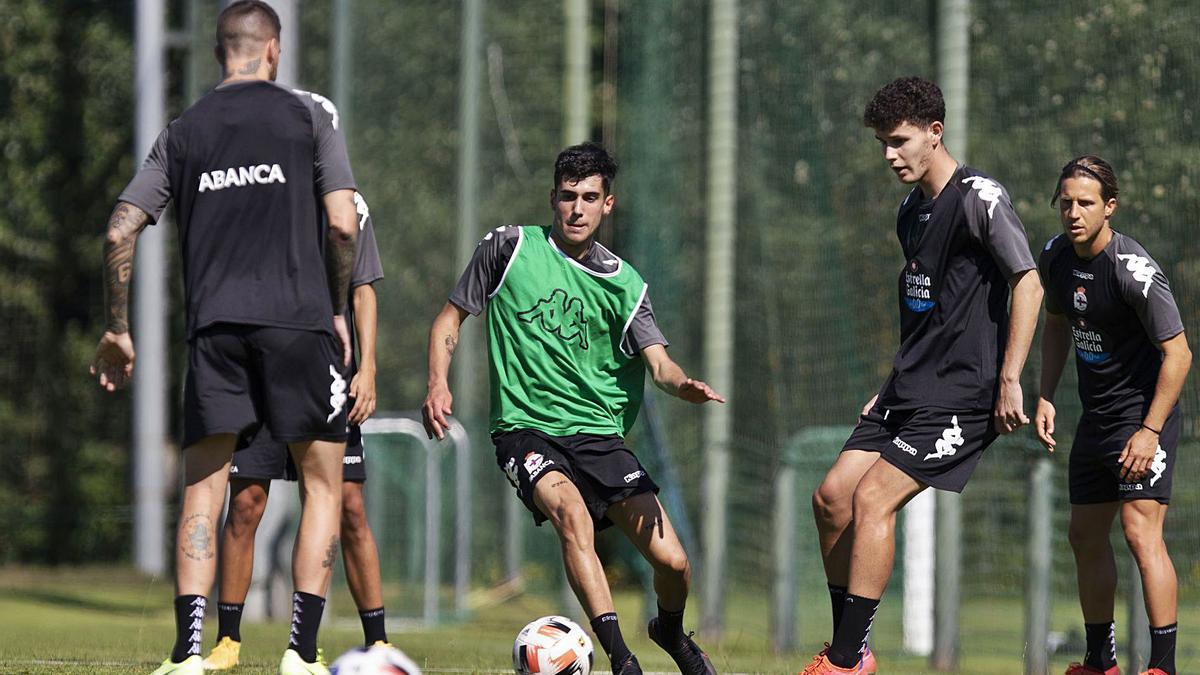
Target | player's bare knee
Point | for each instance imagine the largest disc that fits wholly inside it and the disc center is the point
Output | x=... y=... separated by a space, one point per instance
x=354 y=521
x=831 y=504
x=869 y=505
x=573 y=523
x=674 y=564
x=246 y=510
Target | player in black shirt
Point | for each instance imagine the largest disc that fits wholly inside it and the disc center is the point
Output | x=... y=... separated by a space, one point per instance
x=955 y=380
x=261 y=459
x=247 y=167
x=1107 y=295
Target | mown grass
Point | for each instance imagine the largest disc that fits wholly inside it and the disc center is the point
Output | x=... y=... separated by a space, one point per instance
x=112 y=620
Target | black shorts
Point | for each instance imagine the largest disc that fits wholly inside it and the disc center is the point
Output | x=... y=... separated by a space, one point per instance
x=242 y=376
x=601 y=467
x=1093 y=469
x=261 y=457
x=938 y=448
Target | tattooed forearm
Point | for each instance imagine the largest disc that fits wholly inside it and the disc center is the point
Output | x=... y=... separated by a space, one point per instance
x=251 y=67
x=196 y=537
x=124 y=225
x=339 y=263
x=451 y=344
x=330 y=553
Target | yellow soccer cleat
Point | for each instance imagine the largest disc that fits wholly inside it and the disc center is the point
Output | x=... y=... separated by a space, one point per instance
x=292 y=664
x=224 y=656
x=192 y=665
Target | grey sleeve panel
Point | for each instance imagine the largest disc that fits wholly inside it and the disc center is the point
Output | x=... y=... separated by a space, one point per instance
x=994 y=223
x=1145 y=288
x=1045 y=261
x=643 y=330
x=482 y=276
x=331 y=159
x=368 y=268
x=150 y=189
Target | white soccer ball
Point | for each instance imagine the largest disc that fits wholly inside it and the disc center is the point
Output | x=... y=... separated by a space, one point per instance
x=377 y=660
x=552 y=645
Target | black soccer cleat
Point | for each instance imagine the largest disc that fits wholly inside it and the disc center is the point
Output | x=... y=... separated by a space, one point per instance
x=687 y=654
x=630 y=667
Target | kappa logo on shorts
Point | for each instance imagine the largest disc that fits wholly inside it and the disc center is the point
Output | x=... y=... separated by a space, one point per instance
x=629 y=478
x=951 y=440
x=510 y=470
x=352 y=459
x=900 y=443
x=337 y=393
x=1159 y=465
x=535 y=464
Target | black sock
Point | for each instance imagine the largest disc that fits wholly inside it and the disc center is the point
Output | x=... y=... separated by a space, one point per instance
x=1162 y=648
x=670 y=626
x=837 y=599
x=189 y=626
x=372 y=623
x=850 y=637
x=306 y=619
x=608 y=632
x=229 y=620
x=1101 y=645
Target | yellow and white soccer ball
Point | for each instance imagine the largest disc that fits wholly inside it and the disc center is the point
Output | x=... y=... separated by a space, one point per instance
x=552 y=645
x=377 y=660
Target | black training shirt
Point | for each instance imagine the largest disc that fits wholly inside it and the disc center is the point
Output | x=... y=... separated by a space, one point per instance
x=247 y=166
x=960 y=251
x=1119 y=306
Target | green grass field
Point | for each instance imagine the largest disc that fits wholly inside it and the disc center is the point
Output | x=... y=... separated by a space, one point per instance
x=111 y=620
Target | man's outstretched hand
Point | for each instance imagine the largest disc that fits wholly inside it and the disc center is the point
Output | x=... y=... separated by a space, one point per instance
x=695 y=391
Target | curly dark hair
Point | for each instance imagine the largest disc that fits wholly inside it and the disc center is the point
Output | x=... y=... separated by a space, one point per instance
x=906 y=99
x=1092 y=167
x=586 y=159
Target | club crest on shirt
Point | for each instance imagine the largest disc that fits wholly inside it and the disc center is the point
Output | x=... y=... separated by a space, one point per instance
x=918 y=288
x=1079 y=299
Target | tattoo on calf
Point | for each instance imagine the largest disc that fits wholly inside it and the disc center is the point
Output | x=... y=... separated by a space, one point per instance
x=330 y=553
x=196 y=537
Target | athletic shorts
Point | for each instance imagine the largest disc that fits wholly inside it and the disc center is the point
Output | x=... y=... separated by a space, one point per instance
x=243 y=376
x=603 y=469
x=261 y=457
x=1093 y=469
x=938 y=448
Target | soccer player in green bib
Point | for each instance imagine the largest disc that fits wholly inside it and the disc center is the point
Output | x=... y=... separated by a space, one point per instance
x=571 y=333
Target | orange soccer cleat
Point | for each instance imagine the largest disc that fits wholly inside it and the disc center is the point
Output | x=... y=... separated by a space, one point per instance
x=821 y=665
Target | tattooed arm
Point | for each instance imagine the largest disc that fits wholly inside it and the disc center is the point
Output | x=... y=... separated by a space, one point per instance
x=114 y=355
x=341 y=243
x=443 y=339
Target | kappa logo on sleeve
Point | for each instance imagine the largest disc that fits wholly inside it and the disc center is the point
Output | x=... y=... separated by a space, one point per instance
x=1141 y=269
x=987 y=189
x=364 y=211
